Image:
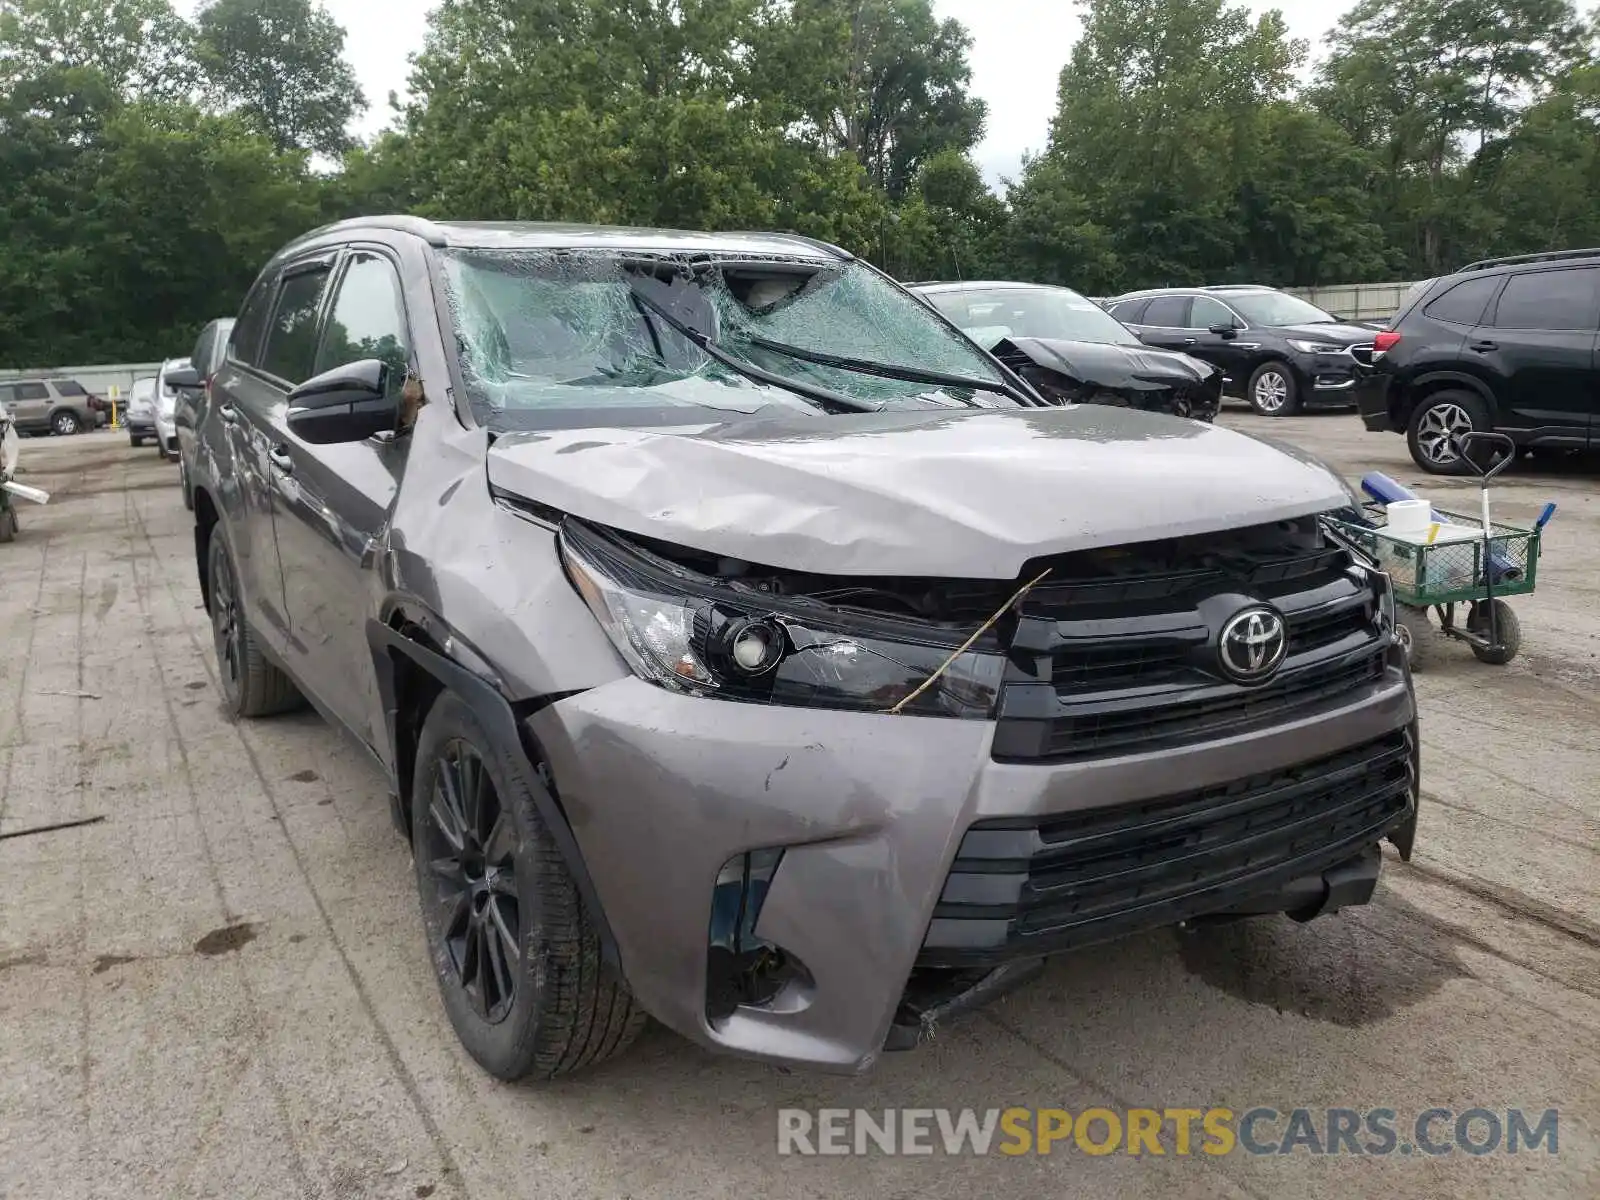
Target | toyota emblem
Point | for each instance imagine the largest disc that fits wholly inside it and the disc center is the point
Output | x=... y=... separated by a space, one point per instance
x=1252 y=645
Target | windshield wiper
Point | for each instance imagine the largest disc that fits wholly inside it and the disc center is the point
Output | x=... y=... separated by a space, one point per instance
x=825 y=398
x=886 y=370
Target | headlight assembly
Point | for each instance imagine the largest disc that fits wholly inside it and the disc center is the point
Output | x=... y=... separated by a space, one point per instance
x=1308 y=347
x=695 y=634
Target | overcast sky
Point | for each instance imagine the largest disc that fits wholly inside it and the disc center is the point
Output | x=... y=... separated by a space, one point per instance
x=1019 y=48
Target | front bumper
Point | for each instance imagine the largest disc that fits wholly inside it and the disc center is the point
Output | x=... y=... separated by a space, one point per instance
x=872 y=812
x=1328 y=379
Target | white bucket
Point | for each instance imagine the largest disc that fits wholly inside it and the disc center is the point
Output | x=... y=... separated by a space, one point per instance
x=1409 y=516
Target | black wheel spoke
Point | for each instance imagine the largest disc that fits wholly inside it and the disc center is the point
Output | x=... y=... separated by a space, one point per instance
x=459 y=922
x=506 y=924
x=498 y=979
x=472 y=789
x=450 y=793
x=500 y=843
x=444 y=820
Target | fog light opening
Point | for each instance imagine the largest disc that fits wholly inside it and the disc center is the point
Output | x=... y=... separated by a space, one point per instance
x=741 y=968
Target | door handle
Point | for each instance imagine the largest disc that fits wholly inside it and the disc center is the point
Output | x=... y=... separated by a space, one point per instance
x=279 y=457
x=1188 y=341
x=229 y=414
x=1483 y=347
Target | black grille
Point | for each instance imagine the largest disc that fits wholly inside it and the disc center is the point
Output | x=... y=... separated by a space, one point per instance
x=1128 y=662
x=1021 y=887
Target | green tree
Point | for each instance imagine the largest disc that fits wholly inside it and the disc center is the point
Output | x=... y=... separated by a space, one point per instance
x=1158 y=109
x=141 y=47
x=1423 y=84
x=883 y=80
x=280 y=64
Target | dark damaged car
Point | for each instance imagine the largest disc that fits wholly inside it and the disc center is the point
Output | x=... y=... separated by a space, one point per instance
x=746 y=647
x=1072 y=351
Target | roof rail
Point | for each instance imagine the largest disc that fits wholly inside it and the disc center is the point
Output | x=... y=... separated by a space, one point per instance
x=1484 y=264
x=1236 y=287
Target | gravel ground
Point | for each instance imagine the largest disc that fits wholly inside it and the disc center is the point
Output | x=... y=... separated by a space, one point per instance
x=220 y=988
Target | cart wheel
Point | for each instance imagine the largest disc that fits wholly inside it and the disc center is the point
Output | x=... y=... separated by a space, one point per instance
x=1506 y=625
x=8 y=526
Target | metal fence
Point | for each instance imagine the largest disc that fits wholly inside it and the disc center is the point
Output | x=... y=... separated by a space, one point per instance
x=1357 y=301
x=97 y=379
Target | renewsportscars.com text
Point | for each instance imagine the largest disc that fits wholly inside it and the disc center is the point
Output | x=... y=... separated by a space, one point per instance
x=1213 y=1132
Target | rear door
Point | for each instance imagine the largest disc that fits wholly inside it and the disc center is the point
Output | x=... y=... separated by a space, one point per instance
x=1165 y=323
x=250 y=403
x=1538 y=343
x=31 y=407
x=335 y=500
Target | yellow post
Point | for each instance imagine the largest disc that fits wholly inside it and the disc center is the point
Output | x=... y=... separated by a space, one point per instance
x=115 y=393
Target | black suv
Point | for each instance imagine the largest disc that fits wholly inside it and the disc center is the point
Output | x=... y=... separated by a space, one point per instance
x=1278 y=352
x=1508 y=344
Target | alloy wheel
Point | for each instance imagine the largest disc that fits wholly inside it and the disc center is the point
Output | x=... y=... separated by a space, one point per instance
x=1272 y=390
x=226 y=628
x=65 y=424
x=1438 y=431
x=471 y=847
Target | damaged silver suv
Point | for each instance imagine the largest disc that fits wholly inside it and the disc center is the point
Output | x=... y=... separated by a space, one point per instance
x=746 y=647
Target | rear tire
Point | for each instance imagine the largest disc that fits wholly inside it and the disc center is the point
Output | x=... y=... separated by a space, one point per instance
x=251 y=686
x=496 y=894
x=1436 y=422
x=135 y=442
x=65 y=423
x=1272 y=390
x=8 y=526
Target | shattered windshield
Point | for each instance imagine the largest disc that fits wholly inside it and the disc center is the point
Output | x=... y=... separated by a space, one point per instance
x=541 y=333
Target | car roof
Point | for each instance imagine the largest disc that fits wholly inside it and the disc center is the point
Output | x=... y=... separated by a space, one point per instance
x=1210 y=289
x=539 y=235
x=984 y=285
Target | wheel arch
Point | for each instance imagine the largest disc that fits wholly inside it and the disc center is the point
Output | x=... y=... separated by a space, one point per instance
x=206 y=517
x=1432 y=383
x=416 y=660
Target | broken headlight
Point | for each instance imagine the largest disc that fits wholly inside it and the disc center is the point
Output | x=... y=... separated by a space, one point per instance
x=692 y=633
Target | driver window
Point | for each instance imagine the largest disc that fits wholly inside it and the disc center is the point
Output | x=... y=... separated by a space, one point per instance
x=368 y=321
x=1208 y=312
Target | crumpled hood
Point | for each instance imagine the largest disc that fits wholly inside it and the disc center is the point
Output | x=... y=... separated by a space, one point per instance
x=1110 y=366
x=971 y=494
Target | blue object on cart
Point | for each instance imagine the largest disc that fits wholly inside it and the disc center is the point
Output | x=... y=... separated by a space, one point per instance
x=1545 y=514
x=1385 y=490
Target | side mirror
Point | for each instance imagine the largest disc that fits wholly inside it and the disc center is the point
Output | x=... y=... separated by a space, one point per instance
x=347 y=404
x=1225 y=329
x=185 y=379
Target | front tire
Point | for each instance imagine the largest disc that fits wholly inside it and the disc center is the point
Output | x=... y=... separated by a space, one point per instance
x=251 y=686
x=1272 y=391
x=518 y=962
x=1416 y=635
x=1435 y=426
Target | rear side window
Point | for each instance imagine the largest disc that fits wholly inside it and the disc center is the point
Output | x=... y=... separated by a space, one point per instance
x=1464 y=303
x=291 y=345
x=1169 y=312
x=1551 y=300
x=1129 y=312
x=70 y=387
x=32 y=391
x=245 y=344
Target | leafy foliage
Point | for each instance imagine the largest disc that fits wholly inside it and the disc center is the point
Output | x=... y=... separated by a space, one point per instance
x=149 y=166
x=280 y=63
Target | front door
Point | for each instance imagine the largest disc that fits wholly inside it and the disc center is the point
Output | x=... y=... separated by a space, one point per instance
x=1540 y=342
x=1229 y=352
x=335 y=502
